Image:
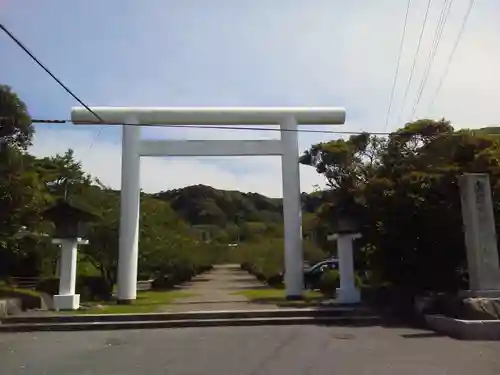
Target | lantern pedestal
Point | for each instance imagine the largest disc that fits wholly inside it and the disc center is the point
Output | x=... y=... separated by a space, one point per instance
x=66 y=302
x=67 y=299
x=347 y=293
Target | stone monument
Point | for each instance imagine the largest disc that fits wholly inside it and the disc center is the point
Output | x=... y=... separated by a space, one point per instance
x=480 y=236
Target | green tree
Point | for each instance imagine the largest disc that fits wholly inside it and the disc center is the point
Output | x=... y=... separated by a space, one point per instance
x=64 y=175
x=404 y=192
x=16 y=129
x=21 y=196
x=102 y=250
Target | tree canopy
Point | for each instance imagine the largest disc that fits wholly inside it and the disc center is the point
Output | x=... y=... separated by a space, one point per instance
x=403 y=190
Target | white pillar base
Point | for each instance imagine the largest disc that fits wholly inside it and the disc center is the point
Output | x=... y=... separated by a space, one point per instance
x=351 y=295
x=347 y=293
x=66 y=302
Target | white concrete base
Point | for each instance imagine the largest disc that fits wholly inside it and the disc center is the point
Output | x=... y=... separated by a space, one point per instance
x=66 y=302
x=351 y=295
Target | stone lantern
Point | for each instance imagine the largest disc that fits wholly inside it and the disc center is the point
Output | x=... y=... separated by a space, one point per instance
x=345 y=230
x=71 y=225
x=345 y=223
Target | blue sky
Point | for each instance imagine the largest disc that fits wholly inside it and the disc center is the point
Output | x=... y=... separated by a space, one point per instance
x=239 y=53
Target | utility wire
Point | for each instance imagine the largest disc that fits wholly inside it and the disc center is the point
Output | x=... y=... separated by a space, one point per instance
x=422 y=30
x=450 y=58
x=245 y=128
x=220 y=127
x=23 y=47
x=432 y=53
x=397 y=64
x=41 y=65
x=445 y=11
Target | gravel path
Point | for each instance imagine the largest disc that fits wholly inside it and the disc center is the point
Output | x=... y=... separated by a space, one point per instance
x=215 y=290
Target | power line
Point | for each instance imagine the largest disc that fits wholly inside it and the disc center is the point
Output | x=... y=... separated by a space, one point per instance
x=244 y=128
x=220 y=127
x=450 y=58
x=25 y=49
x=445 y=11
x=422 y=30
x=397 y=64
x=41 y=65
x=435 y=45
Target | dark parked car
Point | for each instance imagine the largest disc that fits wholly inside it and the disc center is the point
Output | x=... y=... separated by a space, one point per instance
x=312 y=275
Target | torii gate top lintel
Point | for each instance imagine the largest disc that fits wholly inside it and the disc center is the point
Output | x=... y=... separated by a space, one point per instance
x=209 y=115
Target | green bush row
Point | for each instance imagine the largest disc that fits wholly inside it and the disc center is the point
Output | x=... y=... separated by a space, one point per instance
x=265 y=259
x=274 y=279
x=178 y=275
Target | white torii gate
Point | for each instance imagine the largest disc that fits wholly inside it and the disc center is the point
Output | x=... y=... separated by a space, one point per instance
x=133 y=148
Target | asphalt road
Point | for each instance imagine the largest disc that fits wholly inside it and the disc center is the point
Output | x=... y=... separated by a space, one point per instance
x=292 y=350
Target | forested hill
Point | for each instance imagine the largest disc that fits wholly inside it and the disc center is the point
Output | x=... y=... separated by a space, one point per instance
x=205 y=205
x=201 y=204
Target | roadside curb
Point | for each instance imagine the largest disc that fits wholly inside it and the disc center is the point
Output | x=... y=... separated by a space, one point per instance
x=202 y=314
x=190 y=323
x=337 y=315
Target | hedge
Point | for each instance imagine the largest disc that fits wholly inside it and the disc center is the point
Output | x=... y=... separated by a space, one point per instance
x=329 y=282
x=178 y=275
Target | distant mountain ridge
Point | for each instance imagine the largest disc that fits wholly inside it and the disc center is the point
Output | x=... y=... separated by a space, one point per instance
x=205 y=205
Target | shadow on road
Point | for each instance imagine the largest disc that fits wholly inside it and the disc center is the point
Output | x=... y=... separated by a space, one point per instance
x=421 y=335
x=180 y=302
x=246 y=287
x=200 y=279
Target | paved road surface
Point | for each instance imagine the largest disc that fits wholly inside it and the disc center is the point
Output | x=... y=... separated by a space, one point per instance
x=215 y=290
x=299 y=350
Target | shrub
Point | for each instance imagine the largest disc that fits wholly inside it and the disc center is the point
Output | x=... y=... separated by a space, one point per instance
x=163 y=282
x=260 y=276
x=93 y=288
x=49 y=285
x=89 y=287
x=203 y=268
x=275 y=280
x=245 y=266
x=252 y=269
x=329 y=282
x=182 y=274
